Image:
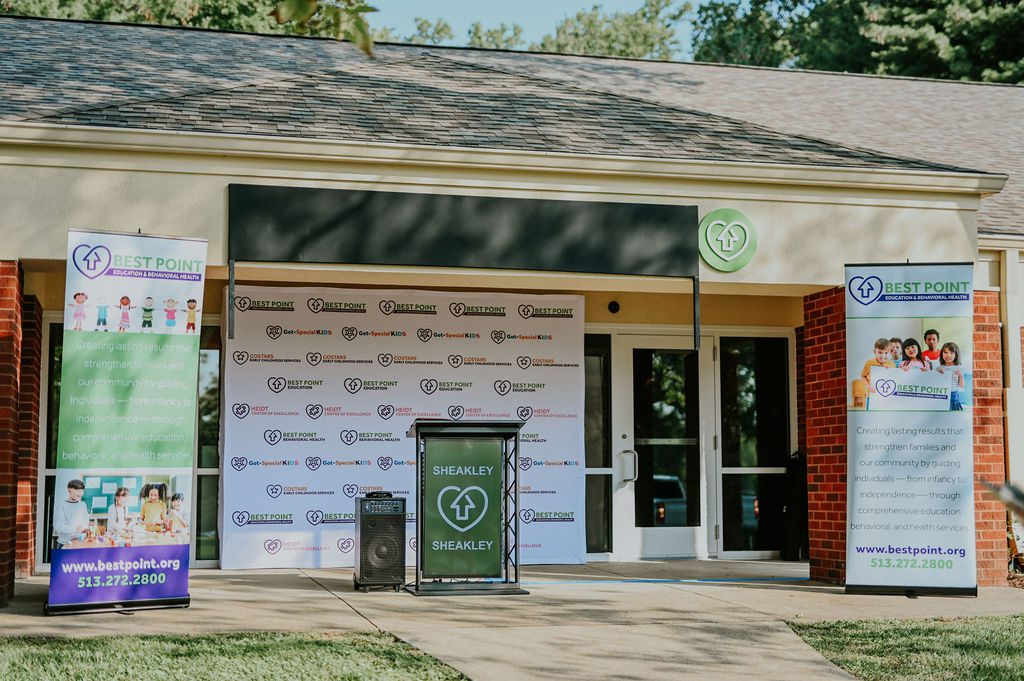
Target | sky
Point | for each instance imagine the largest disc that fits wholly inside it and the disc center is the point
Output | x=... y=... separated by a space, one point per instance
x=537 y=17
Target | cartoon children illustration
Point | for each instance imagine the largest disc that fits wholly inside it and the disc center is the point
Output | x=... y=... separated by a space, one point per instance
x=912 y=356
x=190 y=311
x=154 y=506
x=101 y=314
x=895 y=350
x=125 y=306
x=171 y=310
x=79 y=314
x=950 y=363
x=147 y=314
x=177 y=519
x=931 y=355
x=881 y=359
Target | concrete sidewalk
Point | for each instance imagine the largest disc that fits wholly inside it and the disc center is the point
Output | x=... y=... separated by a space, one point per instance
x=681 y=619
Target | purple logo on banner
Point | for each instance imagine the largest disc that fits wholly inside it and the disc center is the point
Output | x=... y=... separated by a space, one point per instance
x=92 y=261
x=865 y=290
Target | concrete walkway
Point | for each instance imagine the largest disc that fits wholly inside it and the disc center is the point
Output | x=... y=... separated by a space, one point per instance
x=676 y=619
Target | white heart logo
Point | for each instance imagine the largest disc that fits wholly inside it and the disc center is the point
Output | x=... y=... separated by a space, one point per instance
x=725 y=244
x=462 y=504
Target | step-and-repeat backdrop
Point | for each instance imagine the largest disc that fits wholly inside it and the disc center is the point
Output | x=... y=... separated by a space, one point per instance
x=321 y=386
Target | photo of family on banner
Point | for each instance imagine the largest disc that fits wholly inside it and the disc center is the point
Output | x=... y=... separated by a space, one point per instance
x=902 y=372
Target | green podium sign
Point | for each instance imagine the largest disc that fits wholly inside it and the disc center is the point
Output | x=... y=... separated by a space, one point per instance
x=462 y=523
x=467 y=510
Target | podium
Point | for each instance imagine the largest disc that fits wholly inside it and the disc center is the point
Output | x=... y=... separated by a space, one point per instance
x=467 y=516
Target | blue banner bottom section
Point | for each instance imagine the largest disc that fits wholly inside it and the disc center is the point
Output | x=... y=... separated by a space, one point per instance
x=118 y=574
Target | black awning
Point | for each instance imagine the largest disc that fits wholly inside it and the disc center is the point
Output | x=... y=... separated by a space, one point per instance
x=304 y=225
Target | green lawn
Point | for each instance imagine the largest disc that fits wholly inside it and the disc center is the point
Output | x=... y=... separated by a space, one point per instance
x=247 y=657
x=967 y=649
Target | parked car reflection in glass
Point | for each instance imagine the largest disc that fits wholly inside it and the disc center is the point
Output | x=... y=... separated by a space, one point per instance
x=669 y=501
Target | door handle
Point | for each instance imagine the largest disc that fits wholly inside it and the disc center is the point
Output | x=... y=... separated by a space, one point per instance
x=636 y=465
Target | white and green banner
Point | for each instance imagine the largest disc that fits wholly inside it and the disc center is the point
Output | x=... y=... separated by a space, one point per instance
x=321 y=386
x=910 y=474
x=127 y=419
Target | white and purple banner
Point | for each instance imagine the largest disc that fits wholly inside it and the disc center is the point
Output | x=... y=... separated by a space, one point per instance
x=910 y=472
x=321 y=386
x=126 y=436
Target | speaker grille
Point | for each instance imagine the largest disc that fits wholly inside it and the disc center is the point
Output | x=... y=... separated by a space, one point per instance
x=380 y=546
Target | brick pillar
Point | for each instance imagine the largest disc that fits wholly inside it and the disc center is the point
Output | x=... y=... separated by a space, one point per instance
x=989 y=442
x=10 y=368
x=28 y=434
x=823 y=431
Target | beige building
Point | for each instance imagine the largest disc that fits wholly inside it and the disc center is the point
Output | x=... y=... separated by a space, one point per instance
x=122 y=128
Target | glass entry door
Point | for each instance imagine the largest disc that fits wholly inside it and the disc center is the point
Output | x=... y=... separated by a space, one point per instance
x=754 y=392
x=661 y=414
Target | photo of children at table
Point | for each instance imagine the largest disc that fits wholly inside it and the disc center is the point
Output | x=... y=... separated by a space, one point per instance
x=177 y=518
x=123 y=510
x=154 y=509
x=71 y=516
x=117 y=514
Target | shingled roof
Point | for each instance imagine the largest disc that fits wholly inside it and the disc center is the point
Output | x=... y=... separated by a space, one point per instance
x=80 y=73
x=978 y=125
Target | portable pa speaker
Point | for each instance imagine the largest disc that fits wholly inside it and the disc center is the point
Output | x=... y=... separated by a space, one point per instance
x=380 y=542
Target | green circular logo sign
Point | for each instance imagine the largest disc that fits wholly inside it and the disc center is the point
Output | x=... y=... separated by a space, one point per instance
x=727 y=239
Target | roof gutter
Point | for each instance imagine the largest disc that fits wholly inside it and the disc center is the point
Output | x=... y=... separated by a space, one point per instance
x=287 y=148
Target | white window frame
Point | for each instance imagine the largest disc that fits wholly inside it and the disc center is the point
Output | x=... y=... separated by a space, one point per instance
x=211 y=320
x=718 y=511
x=51 y=317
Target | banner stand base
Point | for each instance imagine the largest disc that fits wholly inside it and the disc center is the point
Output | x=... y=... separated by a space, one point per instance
x=116 y=606
x=911 y=591
x=465 y=589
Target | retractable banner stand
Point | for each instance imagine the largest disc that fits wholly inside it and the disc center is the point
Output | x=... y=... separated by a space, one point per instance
x=127 y=423
x=322 y=385
x=910 y=480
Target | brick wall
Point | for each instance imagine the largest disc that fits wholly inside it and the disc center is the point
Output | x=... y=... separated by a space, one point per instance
x=989 y=444
x=10 y=369
x=28 y=434
x=824 y=431
x=822 y=410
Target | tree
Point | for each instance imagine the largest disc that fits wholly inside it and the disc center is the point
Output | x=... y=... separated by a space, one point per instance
x=647 y=33
x=427 y=33
x=953 y=39
x=342 y=19
x=430 y=33
x=337 y=18
x=957 y=39
x=500 y=38
x=243 y=15
x=735 y=32
x=829 y=36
